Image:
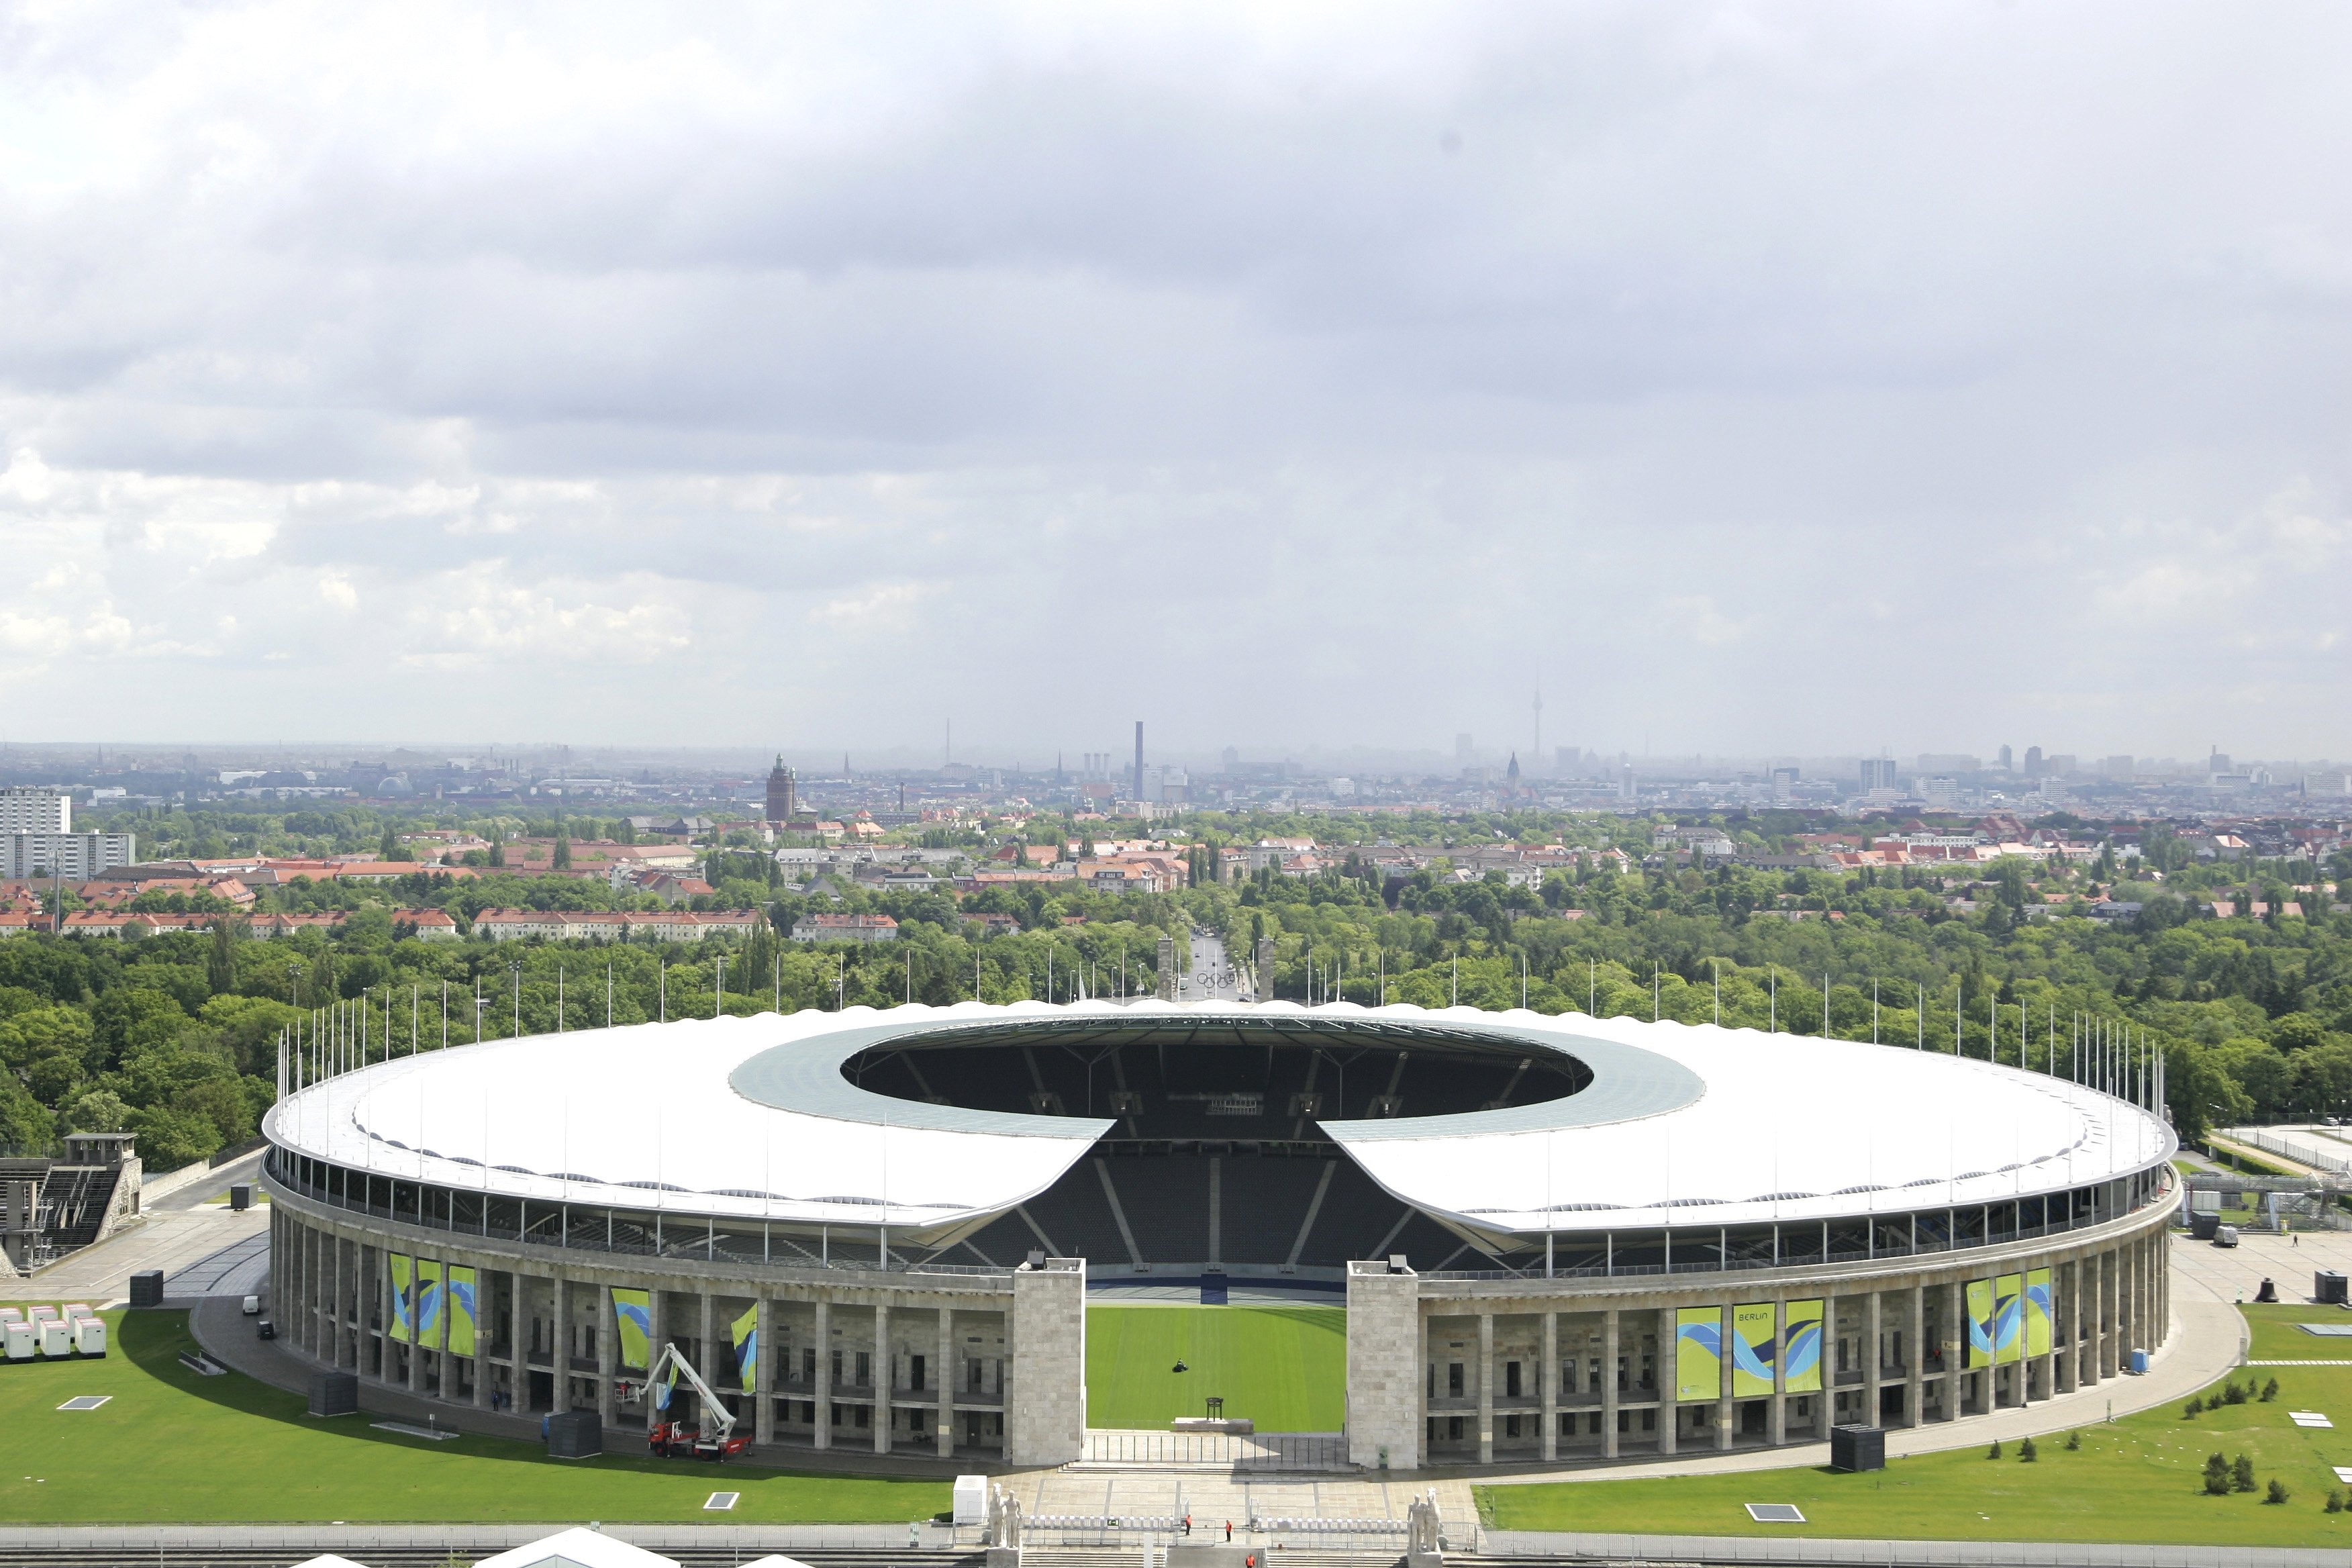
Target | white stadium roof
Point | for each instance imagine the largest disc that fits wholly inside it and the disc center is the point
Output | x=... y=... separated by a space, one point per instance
x=1688 y=1126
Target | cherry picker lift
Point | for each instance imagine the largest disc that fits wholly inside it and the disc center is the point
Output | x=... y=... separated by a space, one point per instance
x=712 y=1437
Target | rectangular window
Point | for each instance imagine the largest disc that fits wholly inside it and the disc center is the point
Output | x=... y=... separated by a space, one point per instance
x=865 y=1368
x=808 y=1366
x=1510 y=1425
x=1453 y=1380
x=1453 y=1428
x=1568 y=1379
x=971 y=1365
x=915 y=1372
x=836 y=1369
x=1511 y=1380
x=865 y=1415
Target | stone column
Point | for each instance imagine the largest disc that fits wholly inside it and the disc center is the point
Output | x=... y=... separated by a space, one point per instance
x=482 y=1338
x=1777 y=1410
x=1873 y=1325
x=415 y=1336
x=1045 y=1386
x=706 y=1364
x=1826 y=1416
x=822 y=1395
x=658 y=1321
x=1915 y=1357
x=518 y=1341
x=560 y=1289
x=608 y=1356
x=946 y=1378
x=1388 y=1350
x=1608 y=1353
x=1955 y=1351
x=885 y=1374
x=2095 y=1350
x=1669 y=1404
x=2050 y=1351
x=1723 y=1368
x=763 y=1375
x=310 y=1336
x=1486 y=1388
x=1548 y=1374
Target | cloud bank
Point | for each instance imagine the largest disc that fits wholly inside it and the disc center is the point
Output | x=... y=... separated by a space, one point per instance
x=1758 y=378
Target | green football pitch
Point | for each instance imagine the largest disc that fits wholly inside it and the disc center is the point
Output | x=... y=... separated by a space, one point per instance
x=1285 y=1368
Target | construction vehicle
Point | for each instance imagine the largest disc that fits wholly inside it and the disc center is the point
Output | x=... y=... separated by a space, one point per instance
x=712 y=1437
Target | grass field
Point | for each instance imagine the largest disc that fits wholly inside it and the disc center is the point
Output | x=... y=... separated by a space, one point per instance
x=1285 y=1368
x=175 y=1445
x=2276 y=1338
x=2139 y=1479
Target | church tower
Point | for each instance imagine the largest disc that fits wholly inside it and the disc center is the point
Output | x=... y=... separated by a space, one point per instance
x=783 y=802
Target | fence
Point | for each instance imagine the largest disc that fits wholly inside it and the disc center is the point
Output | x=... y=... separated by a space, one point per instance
x=1219 y=1450
x=2300 y=1151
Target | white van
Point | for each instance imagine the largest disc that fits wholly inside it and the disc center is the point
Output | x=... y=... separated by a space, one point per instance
x=253 y=1306
x=2225 y=1236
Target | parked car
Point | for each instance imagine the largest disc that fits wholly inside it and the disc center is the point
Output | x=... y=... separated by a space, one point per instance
x=253 y=1306
x=265 y=1330
x=2225 y=1236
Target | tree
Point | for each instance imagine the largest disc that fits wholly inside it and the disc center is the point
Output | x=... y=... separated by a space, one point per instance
x=2277 y=1493
x=2217 y=1475
x=2242 y=1474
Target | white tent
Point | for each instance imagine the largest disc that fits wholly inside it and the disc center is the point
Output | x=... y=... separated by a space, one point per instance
x=578 y=1548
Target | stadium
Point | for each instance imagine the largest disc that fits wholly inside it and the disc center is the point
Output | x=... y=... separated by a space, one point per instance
x=1554 y=1238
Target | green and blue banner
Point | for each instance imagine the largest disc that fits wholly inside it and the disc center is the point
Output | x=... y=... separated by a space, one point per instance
x=1980 y=1310
x=1755 y=1343
x=1698 y=1352
x=633 y=1314
x=1801 y=1353
x=747 y=1347
x=403 y=1296
x=462 y=1319
x=2038 y=1317
x=2008 y=1317
x=429 y=1300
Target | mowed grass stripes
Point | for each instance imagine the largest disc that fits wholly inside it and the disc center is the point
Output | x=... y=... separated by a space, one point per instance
x=1285 y=1368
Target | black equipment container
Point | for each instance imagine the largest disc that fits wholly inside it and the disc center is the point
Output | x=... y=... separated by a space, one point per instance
x=575 y=1435
x=2327 y=1287
x=334 y=1394
x=1857 y=1448
x=147 y=1289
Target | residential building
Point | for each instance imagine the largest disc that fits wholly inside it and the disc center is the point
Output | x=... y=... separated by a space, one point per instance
x=846 y=928
x=31 y=808
x=74 y=856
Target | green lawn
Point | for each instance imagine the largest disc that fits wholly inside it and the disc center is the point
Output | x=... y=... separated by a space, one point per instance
x=176 y=1446
x=2139 y=1479
x=1285 y=1368
x=2276 y=1338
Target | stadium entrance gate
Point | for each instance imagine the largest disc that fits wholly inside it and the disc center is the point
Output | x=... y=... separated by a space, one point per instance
x=1265 y=1451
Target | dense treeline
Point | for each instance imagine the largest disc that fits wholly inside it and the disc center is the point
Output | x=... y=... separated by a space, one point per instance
x=173 y=1037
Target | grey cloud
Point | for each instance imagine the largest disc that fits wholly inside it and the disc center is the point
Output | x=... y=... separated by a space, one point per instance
x=1767 y=378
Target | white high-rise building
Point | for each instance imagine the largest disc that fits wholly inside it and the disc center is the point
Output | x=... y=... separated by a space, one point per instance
x=33 y=808
x=75 y=857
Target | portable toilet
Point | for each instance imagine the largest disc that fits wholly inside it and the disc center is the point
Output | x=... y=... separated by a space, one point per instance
x=971 y=1499
x=10 y=1315
x=76 y=1309
x=19 y=1339
x=57 y=1337
x=43 y=1313
x=89 y=1336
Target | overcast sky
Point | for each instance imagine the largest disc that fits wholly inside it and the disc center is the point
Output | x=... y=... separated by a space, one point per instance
x=1800 y=377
